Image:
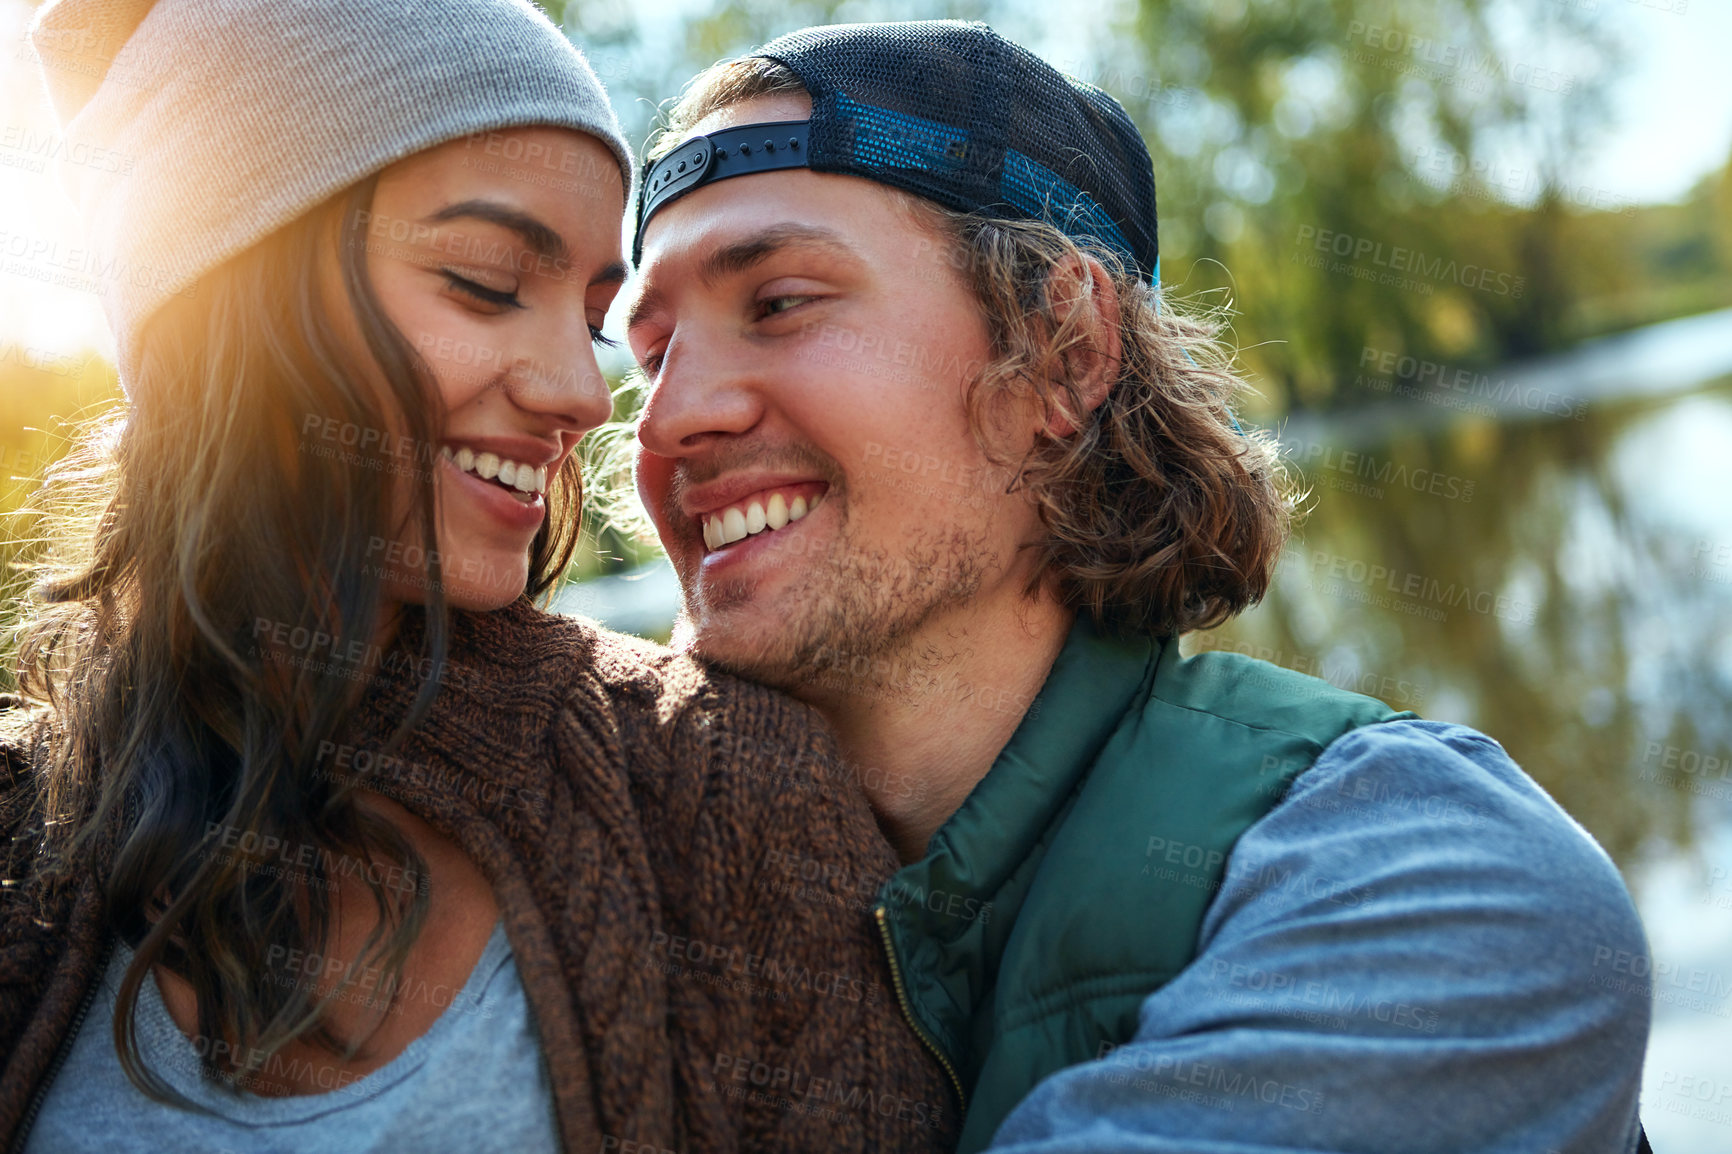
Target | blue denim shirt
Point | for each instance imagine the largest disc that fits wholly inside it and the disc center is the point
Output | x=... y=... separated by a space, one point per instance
x=1416 y=951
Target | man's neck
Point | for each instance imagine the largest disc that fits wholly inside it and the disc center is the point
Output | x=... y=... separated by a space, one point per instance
x=920 y=746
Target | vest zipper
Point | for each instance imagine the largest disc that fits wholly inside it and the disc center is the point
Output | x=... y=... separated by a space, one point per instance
x=908 y=1008
x=65 y=1049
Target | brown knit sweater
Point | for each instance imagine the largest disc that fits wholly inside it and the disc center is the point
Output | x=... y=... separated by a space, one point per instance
x=682 y=873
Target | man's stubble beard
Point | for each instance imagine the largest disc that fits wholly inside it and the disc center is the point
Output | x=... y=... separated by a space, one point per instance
x=854 y=618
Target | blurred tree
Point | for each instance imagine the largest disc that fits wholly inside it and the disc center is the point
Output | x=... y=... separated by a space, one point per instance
x=1358 y=167
x=42 y=396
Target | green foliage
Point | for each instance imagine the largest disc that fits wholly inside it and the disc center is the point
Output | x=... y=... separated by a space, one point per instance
x=1336 y=157
x=42 y=398
x=609 y=546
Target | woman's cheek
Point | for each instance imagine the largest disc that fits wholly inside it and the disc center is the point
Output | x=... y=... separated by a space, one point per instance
x=463 y=353
x=463 y=358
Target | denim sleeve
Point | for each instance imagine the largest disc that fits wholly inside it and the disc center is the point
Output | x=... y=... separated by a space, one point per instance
x=1416 y=950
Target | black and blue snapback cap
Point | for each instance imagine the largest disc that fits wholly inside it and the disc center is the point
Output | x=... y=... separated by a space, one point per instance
x=948 y=110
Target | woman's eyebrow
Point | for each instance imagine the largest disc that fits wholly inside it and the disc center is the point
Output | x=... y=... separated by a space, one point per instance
x=541 y=239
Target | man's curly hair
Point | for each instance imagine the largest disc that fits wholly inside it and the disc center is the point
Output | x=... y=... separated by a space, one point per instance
x=1161 y=515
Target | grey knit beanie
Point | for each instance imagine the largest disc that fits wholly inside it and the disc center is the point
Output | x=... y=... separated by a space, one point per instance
x=227 y=119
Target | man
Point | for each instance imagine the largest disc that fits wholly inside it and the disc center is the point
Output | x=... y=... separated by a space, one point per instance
x=928 y=451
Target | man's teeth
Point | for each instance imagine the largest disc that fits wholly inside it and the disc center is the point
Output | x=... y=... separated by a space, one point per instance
x=490 y=467
x=737 y=522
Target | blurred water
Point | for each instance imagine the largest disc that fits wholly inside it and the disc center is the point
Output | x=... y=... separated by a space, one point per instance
x=1564 y=584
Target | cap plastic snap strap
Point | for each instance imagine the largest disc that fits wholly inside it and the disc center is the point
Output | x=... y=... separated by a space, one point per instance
x=704 y=160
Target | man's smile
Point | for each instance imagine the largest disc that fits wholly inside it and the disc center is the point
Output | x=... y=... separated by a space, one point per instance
x=765 y=510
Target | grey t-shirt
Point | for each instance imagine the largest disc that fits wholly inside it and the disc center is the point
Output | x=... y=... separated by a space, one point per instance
x=475 y=1081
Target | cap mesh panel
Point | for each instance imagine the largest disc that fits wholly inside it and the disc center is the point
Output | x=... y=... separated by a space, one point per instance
x=951 y=111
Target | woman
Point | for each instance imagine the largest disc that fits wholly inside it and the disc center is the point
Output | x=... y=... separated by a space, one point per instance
x=321 y=835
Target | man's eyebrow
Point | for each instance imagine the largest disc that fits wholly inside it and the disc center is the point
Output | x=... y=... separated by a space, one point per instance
x=541 y=239
x=742 y=254
x=760 y=246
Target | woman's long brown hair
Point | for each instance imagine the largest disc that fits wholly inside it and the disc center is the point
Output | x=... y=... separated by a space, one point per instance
x=169 y=534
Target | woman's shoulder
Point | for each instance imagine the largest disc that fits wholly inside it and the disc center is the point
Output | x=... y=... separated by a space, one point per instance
x=662 y=718
x=528 y=661
x=669 y=707
x=739 y=722
x=643 y=680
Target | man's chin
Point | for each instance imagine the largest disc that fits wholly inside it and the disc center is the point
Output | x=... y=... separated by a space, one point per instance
x=836 y=628
x=740 y=653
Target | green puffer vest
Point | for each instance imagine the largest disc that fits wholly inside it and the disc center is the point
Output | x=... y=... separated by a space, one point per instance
x=1072 y=882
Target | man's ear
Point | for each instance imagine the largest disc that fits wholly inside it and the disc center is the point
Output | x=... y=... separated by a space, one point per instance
x=1087 y=303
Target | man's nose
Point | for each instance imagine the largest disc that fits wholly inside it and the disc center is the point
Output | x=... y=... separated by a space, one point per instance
x=704 y=389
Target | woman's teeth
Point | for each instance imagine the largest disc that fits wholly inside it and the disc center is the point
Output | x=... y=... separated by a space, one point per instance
x=737 y=522
x=525 y=479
